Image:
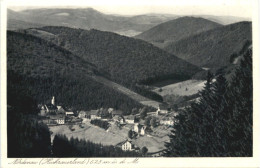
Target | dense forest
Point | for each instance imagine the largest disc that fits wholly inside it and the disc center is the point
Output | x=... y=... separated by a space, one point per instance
x=220 y=124
x=127 y=60
x=213 y=48
x=25 y=136
x=41 y=69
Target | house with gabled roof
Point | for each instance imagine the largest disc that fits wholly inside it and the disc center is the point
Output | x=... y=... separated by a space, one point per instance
x=126 y=145
x=163 y=109
x=119 y=119
x=117 y=113
x=140 y=129
x=94 y=114
x=130 y=119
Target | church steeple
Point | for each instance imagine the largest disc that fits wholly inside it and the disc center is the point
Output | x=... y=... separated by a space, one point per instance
x=53 y=100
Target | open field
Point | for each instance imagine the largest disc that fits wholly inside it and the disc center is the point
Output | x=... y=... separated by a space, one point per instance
x=185 y=88
x=114 y=135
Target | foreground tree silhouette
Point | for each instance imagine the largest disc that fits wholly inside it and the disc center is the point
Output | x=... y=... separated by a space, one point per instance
x=220 y=124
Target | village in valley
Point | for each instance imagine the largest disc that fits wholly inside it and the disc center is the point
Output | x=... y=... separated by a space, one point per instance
x=108 y=126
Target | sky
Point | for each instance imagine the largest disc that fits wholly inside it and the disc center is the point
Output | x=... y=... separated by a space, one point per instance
x=240 y=8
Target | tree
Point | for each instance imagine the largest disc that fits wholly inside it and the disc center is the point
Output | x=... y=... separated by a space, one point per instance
x=217 y=125
x=147 y=121
x=144 y=150
x=153 y=122
x=134 y=111
x=130 y=134
x=143 y=113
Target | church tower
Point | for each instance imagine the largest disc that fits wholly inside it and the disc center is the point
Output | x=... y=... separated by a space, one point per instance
x=53 y=101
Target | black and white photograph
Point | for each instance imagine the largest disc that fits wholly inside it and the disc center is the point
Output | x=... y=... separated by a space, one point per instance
x=128 y=80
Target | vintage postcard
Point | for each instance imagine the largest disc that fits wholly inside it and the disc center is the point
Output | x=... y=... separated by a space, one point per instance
x=141 y=83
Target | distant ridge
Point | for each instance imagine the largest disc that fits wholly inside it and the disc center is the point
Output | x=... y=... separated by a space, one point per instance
x=177 y=29
x=213 y=48
x=84 y=18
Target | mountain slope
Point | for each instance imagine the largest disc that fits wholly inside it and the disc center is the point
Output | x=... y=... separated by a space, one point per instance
x=175 y=30
x=127 y=60
x=85 y=18
x=40 y=69
x=213 y=48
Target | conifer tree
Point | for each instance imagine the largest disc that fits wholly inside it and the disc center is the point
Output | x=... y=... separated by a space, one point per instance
x=220 y=124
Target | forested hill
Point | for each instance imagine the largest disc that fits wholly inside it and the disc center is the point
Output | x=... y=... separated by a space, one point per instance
x=175 y=30
x=127 y=60
x=213 y=48
x=40 y=69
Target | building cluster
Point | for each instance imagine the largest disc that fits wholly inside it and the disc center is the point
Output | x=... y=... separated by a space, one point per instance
x=53 y=114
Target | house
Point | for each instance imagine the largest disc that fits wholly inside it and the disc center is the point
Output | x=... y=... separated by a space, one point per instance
x=119 y=119
x=162 y=109
x=126 y=145
x=60 y=110
x=117 y=113
x=94 y=114
x=48 y=108
x=167 y=122
x=140 y=129
x=156 y=154
x=130 y=119
x=82 y=114
x=69 y=113
x=55 y=119
x=110 y=110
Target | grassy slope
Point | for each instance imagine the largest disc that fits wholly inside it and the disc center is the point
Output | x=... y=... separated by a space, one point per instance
x=213 y=48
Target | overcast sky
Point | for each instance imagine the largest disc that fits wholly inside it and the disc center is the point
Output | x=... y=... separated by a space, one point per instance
x=241 y=8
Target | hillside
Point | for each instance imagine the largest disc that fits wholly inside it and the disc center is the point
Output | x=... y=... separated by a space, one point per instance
x=39 y=69
x=85 y=18
x=213 y=48
x=127 y=60
x=175 y=30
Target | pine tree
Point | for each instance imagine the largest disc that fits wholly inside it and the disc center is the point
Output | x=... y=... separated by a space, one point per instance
x=220 y=124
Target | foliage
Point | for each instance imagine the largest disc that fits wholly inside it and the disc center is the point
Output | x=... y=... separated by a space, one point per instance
x=100 y=123
x=144 y=150
x=41 y=69
x=143 y=113
x=25 y=136
x=153 y=122
x=130 y=134
x=212 y=48
x=220 y=124
x=128 y=61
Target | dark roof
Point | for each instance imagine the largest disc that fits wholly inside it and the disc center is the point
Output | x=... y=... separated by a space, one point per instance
x=164 y=106
x=140 y=126
x=51 y=107
x=123 y=142
x=94 y=112
x=130 y=117
x=55 y=117
x=117 y=112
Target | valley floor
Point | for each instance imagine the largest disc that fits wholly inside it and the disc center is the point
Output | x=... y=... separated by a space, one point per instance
x=114 y=135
